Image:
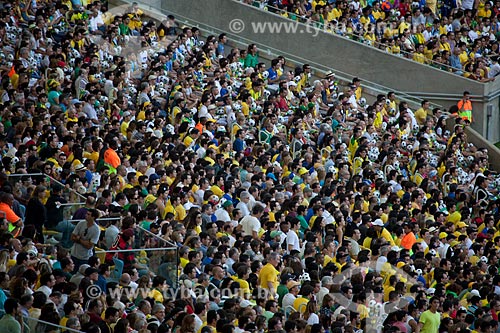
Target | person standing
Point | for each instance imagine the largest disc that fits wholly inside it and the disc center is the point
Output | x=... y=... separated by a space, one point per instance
x=430 y=320
x=36 y=214
x=85 y=237
x=465 y=107
x=269 y=275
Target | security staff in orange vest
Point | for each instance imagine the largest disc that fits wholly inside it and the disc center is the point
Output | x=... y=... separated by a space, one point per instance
x=465 y=107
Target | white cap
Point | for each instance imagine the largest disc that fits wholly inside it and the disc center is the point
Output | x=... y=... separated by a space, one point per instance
x=245 y=303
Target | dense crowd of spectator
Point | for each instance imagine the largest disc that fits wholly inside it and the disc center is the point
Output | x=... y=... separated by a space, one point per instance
x=291 y=203
x=456 y=36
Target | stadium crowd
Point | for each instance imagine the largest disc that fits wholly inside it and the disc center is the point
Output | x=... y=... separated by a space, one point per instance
x=291 y=203
x=456 y=36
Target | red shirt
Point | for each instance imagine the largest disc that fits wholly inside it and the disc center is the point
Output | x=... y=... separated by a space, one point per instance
x=128 y=258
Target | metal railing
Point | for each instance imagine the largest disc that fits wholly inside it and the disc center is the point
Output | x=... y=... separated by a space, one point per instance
x=158 y=261
x=157 y=237
x=61 y=328
x=74 y=198
x=98 y=219
x=173 y=245
x=52 y=179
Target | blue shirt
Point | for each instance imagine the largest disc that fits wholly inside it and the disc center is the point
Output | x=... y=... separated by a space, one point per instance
x=455 y=62
x=101 y=282
x=239 y=145
x=3 y=298
x=272 y=74
x=168 y=65
x=220 y=49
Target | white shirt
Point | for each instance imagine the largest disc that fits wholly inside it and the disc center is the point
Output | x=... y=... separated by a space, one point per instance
x=287 y=302
x=313 y=319
x=494 y=70
x=197 y=323
x=89 y=111
x=467 y=4
x=380 y=263
x=110 y=235
x=321 y=294
x=473 y=35
x=93 y=24
x=46 y=290
x=243 y=207
x=222 y=215
x=203 y=112
x=249 y=224
x=293 y=240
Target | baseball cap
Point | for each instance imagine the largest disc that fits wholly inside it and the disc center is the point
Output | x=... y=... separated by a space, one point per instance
x=443 y=235
x=275 y=233
x=90 y=271
x=378 y=222
x=245 y=303
x=154 y=177
x=292 y=283
x=227 y=203
x=272 y=176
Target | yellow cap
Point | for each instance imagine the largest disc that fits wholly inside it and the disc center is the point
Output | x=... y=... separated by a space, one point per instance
x=302 y=171
x=443 y=235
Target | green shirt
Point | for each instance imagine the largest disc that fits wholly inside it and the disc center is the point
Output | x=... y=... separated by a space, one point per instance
x=9 y=324
x=124 y=29
x=146 y=225
x=251 y=60
x=282 y=291
x=430 y=321
x=303 y=223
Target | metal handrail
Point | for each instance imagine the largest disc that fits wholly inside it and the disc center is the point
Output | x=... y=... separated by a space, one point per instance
x=156 y=236
x=51 y=178
x=70 y=204
x=402 y=96
x=62 y=328
x=138 y=250
x=98 y=219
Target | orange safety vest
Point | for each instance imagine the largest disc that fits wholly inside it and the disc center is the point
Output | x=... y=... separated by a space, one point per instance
x=465 y=110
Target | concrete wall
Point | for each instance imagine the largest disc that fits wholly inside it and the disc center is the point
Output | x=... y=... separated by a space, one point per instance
x=324 y=50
